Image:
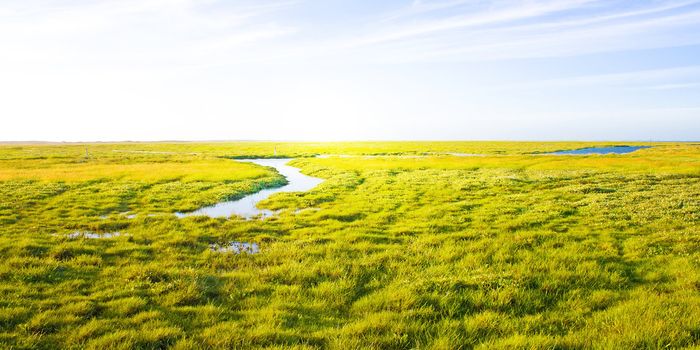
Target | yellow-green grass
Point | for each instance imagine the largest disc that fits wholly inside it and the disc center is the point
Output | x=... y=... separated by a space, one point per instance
x=217 y=169
x=660 y=159
x=437 y=252
x=290 y=149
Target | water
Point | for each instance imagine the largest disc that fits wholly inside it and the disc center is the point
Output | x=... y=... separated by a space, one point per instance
x=236 y=248
x=601 y=150
x=93 y=235
x=247 y=206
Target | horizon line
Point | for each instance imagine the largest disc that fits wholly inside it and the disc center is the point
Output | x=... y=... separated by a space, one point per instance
x=25 y=142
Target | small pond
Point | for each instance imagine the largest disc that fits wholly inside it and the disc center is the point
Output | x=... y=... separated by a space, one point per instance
x=247 y=206
x=600 y=150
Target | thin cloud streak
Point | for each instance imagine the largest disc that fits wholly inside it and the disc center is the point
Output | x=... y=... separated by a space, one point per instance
x=467 y=32
x=502 y=35
x=561 y=43
x=181 y=31
x=635 y=78
x=458 y=22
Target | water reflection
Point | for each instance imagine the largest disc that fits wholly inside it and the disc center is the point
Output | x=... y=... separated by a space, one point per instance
x=601 y=150
x=93 y=235
x=236 y=248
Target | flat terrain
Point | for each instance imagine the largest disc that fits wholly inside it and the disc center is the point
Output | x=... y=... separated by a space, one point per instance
x=405 y=245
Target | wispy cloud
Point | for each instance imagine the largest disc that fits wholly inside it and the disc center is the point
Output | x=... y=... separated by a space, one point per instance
x=557 y=42
x=421 y=6
x=676 y=86
x=134 y=30
x=646 y=79
x=302 y=66
x=420 y=31
x=503 y=14
x=524 y=29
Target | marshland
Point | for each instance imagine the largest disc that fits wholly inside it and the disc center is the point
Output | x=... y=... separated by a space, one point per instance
x=401 y=245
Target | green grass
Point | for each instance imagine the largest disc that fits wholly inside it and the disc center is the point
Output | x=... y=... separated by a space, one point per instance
x=509 y=250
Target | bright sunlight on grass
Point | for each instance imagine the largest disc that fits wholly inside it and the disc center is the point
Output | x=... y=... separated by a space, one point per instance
x=403 y=246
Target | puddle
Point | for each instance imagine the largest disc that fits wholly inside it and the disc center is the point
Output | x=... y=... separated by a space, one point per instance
x=124 y=214
x=600 y=150
x=93 y=235
x=247 y=206
x=236 y=248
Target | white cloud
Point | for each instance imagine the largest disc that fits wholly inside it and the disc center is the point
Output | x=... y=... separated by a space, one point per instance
x=675 y=86
x=182 y=31
x=633 y=79
x=132 y=31
x=515 y=11
x=530 y=29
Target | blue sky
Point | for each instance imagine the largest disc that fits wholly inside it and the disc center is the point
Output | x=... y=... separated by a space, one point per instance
x=350 y=70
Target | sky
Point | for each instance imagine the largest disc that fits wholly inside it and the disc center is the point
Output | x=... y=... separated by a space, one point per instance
x=324 y=70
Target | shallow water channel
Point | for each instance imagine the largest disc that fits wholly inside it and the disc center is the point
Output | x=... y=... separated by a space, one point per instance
x=247 y=206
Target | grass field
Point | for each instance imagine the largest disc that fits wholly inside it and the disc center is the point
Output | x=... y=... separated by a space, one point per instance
x=407 y=247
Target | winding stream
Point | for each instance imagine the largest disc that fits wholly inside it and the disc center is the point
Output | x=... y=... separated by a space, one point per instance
x=247 y=206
